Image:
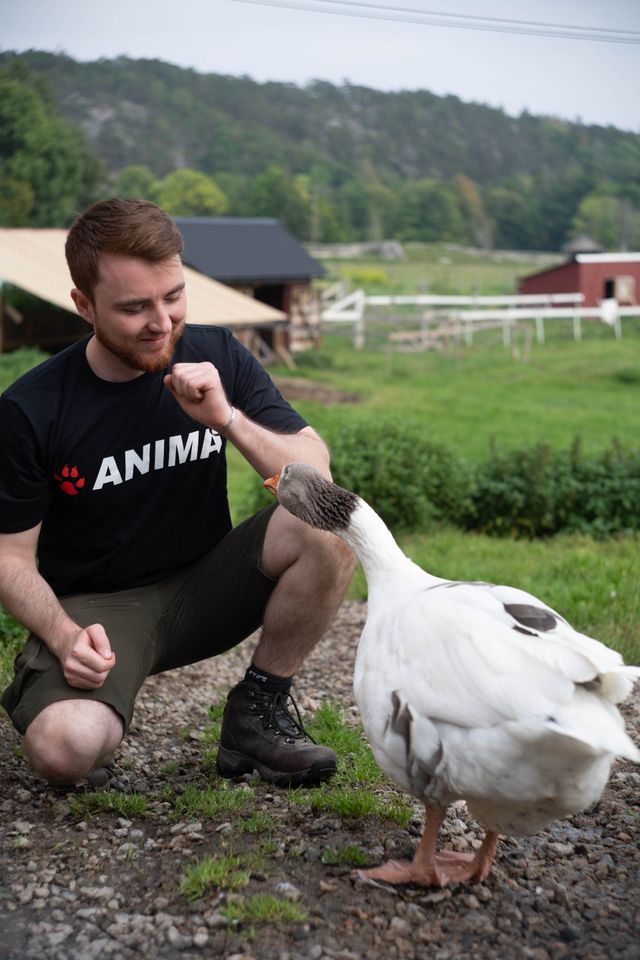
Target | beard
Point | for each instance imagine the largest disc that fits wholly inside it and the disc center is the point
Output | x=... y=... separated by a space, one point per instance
x=136 y=359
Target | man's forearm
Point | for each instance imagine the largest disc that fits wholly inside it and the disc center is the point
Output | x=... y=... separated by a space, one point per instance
x=268 y=452
x=30 y=599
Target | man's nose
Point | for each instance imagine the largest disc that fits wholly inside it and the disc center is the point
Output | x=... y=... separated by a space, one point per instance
x=160 y=321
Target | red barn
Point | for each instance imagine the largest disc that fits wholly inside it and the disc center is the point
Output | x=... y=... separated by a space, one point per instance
x=598 y=276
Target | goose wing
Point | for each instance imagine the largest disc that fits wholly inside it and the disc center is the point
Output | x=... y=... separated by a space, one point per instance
x=475 y=655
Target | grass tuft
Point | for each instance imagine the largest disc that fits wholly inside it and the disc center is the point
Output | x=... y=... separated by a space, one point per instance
x=126 y=804
x=264 y=908
x=352 y=803
x=228 y=872
x=346 y=856
x=211 y=802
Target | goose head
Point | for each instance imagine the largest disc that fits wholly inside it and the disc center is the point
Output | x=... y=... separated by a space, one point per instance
x=303 y=491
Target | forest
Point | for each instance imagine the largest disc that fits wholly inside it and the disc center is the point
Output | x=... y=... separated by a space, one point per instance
x=334 y=163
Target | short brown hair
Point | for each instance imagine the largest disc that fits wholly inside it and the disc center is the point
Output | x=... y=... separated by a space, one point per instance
x=136 y=228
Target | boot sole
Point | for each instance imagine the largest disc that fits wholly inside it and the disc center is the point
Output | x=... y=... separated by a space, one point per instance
x=231 y=765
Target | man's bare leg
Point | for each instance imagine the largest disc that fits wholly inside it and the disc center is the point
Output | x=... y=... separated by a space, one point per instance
x=70 y=738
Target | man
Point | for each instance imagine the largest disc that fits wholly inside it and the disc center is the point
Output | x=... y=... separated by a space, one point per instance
x=113 y=474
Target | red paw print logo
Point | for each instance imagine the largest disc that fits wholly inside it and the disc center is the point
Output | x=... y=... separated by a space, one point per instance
x=69 y=480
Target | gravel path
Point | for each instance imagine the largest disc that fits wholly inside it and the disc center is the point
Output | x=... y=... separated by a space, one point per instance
x=74 y=888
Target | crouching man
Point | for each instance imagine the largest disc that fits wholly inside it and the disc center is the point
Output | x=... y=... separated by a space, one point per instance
x=117 y=550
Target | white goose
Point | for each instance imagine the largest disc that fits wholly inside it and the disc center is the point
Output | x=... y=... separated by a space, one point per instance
x=469 y=691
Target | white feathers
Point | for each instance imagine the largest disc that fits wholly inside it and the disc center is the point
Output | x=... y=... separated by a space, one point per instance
x=476 y=691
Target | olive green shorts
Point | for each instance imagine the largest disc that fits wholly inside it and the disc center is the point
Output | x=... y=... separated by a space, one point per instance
x=207 y=608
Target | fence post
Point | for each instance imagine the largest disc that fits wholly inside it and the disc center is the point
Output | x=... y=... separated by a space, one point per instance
x=577 y=327
x=359 y=326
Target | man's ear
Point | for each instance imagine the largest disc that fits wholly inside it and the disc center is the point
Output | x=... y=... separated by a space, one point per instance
x=84 y=306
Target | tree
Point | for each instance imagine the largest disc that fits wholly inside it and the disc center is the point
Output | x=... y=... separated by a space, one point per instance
x=514 y=209
x=275 y=194
x=610 y=220
x=47 y=172
x=16 y=201
x=136 y=181
x=428 y=212
x=472 y=208
x=188 y=193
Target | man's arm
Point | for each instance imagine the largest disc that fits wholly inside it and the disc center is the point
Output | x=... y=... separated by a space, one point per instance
x=84 y=654
x=268 y=452
x=199 y=391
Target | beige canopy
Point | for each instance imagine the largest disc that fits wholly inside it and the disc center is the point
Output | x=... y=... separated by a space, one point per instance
x=34 y=260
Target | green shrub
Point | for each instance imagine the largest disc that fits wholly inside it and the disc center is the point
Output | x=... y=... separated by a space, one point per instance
x=393 y=465
x=603 y=495
x=514 y=493
x=537 y=492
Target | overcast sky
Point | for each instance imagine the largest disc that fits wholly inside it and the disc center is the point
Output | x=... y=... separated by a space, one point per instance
x=389 y=48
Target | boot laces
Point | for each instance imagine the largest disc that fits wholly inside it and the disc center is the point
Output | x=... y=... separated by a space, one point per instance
x=277 y=714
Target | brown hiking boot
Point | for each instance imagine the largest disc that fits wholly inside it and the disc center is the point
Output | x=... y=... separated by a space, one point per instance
x=259 y=732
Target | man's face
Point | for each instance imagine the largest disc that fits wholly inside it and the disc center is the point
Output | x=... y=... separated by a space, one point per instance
x=138 y=311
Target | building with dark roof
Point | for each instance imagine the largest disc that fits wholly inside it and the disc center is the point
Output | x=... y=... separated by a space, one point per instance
x=259 y=257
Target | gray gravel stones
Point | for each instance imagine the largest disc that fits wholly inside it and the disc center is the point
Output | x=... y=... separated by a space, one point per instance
x=106 y=885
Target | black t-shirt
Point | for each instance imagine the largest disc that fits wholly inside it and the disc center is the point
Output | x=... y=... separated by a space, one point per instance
x=128 y=487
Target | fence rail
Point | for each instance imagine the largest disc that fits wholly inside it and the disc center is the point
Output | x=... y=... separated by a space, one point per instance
x=440 y=322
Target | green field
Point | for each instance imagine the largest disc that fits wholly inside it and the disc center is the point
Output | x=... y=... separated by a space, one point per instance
x=441 y=268
x=589 y=389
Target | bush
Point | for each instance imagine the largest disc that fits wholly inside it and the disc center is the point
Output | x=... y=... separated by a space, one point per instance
x=408 y=479
x=515 y=493
x=412 y=481
x=390 y=462
x=538 y=492
x=604 y=495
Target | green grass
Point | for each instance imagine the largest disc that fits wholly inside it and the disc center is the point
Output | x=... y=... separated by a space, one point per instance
x=441 y=268
x=257 y=823
x=212 y=802
x=226 y=872
x=352 y=803
x=211 y=736
x=12 y=638
x=566 y=390
x=263 y=908
x=125 y=804
x=355 y=791
x=169 y=768
x=348 y=855
x=357 y=765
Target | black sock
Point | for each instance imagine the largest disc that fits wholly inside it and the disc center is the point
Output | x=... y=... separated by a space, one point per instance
x=268 y=681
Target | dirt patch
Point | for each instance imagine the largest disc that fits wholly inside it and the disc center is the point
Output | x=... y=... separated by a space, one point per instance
x=294 y=388
x=109 y=886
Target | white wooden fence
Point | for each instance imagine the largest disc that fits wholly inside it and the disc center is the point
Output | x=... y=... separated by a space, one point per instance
x=441 y=321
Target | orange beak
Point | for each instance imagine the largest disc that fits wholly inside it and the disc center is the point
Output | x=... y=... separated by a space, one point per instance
x=272 y=484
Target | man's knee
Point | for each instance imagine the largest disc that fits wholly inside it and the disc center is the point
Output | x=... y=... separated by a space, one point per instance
x=289 y=539
x=70 y=737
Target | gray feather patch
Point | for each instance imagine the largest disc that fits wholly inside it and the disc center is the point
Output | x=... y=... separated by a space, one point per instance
x=537 y=618
x=402 y=723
